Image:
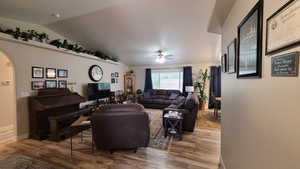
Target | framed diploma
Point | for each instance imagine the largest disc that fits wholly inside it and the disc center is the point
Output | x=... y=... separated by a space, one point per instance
x=231 y=50
x=283 y=28
x=249 y=55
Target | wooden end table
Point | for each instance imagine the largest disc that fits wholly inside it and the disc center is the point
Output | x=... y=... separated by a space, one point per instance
x=173 y=125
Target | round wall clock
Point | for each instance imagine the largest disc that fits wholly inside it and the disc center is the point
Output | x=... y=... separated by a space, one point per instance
x=95 y=73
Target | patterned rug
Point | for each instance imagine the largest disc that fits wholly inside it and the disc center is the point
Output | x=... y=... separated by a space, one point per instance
x=25 y=162
x=157 y=139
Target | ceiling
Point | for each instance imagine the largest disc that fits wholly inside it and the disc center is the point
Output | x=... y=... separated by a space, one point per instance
x=130 y=29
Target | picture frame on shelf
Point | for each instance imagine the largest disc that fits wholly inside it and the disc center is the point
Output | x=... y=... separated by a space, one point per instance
x=50 y=84
x=116 y=74
x=113 y=81
x=62 y=73
x=250 y=32
x=224 y=63
x=285 y=18
x=35 y=85
x=231 y=57
x=37 y=72
x=62 y=84
x=51 y=73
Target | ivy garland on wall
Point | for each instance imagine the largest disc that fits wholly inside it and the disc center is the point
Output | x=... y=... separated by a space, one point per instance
x=44 y=38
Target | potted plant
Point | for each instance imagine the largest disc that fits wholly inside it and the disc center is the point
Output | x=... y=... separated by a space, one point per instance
x=200 y=85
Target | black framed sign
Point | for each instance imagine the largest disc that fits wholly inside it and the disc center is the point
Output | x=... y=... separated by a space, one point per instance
x=231 y=50
x=283 y=28
x=62 y=84
x=286 y=65
x=250 y=43
x=35 y=85
x=224 y=63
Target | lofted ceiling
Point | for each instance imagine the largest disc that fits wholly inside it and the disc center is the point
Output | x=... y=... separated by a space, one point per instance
x=133 y=30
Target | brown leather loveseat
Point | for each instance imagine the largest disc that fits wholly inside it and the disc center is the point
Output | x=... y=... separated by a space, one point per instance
x=120 y=127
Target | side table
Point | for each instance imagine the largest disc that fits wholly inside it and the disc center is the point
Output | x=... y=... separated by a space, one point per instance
x=173 y=125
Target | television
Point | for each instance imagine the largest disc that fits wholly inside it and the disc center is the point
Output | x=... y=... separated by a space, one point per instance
x=98 y=91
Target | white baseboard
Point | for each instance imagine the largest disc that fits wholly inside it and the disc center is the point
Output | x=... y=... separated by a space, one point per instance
x=222 y=163
x=7 y=134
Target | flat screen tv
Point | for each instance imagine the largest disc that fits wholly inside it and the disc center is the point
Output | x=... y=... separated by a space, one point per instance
x=98 y=91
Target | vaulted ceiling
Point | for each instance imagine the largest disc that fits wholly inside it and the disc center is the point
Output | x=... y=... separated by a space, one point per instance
x=133 y=30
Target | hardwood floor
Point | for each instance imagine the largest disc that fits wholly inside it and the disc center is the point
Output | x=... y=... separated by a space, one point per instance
x=197 y=150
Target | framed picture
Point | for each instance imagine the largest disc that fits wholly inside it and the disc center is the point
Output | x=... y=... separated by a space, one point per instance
x=116 y=74
x=112 y=75
x=50 y=73
x=231 y=59
x=116 y=81
x=250 y=44
x=62 y=84
x=224 y=63
x=35 y=85
x=113 y=80
x=37 y=72
x=62 y=73
x=283 y=28
x=50 y=84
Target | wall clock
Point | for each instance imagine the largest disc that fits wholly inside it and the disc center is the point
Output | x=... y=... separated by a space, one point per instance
x=95 y=73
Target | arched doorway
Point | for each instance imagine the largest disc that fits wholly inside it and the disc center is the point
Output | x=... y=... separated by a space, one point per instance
x=8 y=118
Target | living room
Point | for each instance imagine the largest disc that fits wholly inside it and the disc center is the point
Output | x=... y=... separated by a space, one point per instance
x=149 y=84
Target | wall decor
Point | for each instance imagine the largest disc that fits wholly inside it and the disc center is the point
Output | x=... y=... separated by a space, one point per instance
x=116 y=74
x=35 y=85
x=37 y=72
x=95 y=73
x=286 y=65
x=62 y=84
x=224 y=63
x=62 y=73
x=116 y=81
x=113 y=80
x=231 y=57
x=283 y=28
x=50 y=84
x=50 y=73
x=112 y=75
x=250 y=43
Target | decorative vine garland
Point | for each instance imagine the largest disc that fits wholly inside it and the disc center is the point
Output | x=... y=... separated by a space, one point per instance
x=44 y=38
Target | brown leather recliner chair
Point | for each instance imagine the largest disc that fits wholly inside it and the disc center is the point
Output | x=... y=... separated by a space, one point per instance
x=120 y=127
x=189 y=111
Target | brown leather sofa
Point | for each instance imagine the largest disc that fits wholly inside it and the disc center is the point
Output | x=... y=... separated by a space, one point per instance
x=189 y=110
x=159 y=99
x=120 y=127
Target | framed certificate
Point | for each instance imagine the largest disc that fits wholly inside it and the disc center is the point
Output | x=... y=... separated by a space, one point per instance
x=283 y=28
x=249 y=55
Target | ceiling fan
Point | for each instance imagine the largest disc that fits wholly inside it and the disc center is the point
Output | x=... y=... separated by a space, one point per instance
x=163 y=56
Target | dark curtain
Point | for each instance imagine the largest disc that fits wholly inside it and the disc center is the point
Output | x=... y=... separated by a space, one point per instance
x=187 y=78
x=215 y=84
x=148 y=80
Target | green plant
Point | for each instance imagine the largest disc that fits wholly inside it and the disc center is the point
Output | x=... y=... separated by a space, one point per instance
x=56 y=43
x=200 y=84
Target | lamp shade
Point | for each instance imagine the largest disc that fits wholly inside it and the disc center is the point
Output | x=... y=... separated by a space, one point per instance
x=189 y=89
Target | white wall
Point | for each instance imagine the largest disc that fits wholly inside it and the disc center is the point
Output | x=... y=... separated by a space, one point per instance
x=260 y=117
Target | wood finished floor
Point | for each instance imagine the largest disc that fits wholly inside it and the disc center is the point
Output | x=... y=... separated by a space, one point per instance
x=197 y=150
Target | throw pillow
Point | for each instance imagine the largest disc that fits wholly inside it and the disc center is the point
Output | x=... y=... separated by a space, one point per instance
x=147 y=95
x=173 y=96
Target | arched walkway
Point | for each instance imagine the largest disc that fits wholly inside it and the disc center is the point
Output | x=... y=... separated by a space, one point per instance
x=8 y=117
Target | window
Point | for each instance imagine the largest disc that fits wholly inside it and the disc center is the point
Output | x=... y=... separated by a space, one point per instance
x=171 y=79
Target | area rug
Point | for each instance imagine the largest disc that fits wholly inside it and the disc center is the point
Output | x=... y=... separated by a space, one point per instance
x=25 y=162
x=157 y=139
